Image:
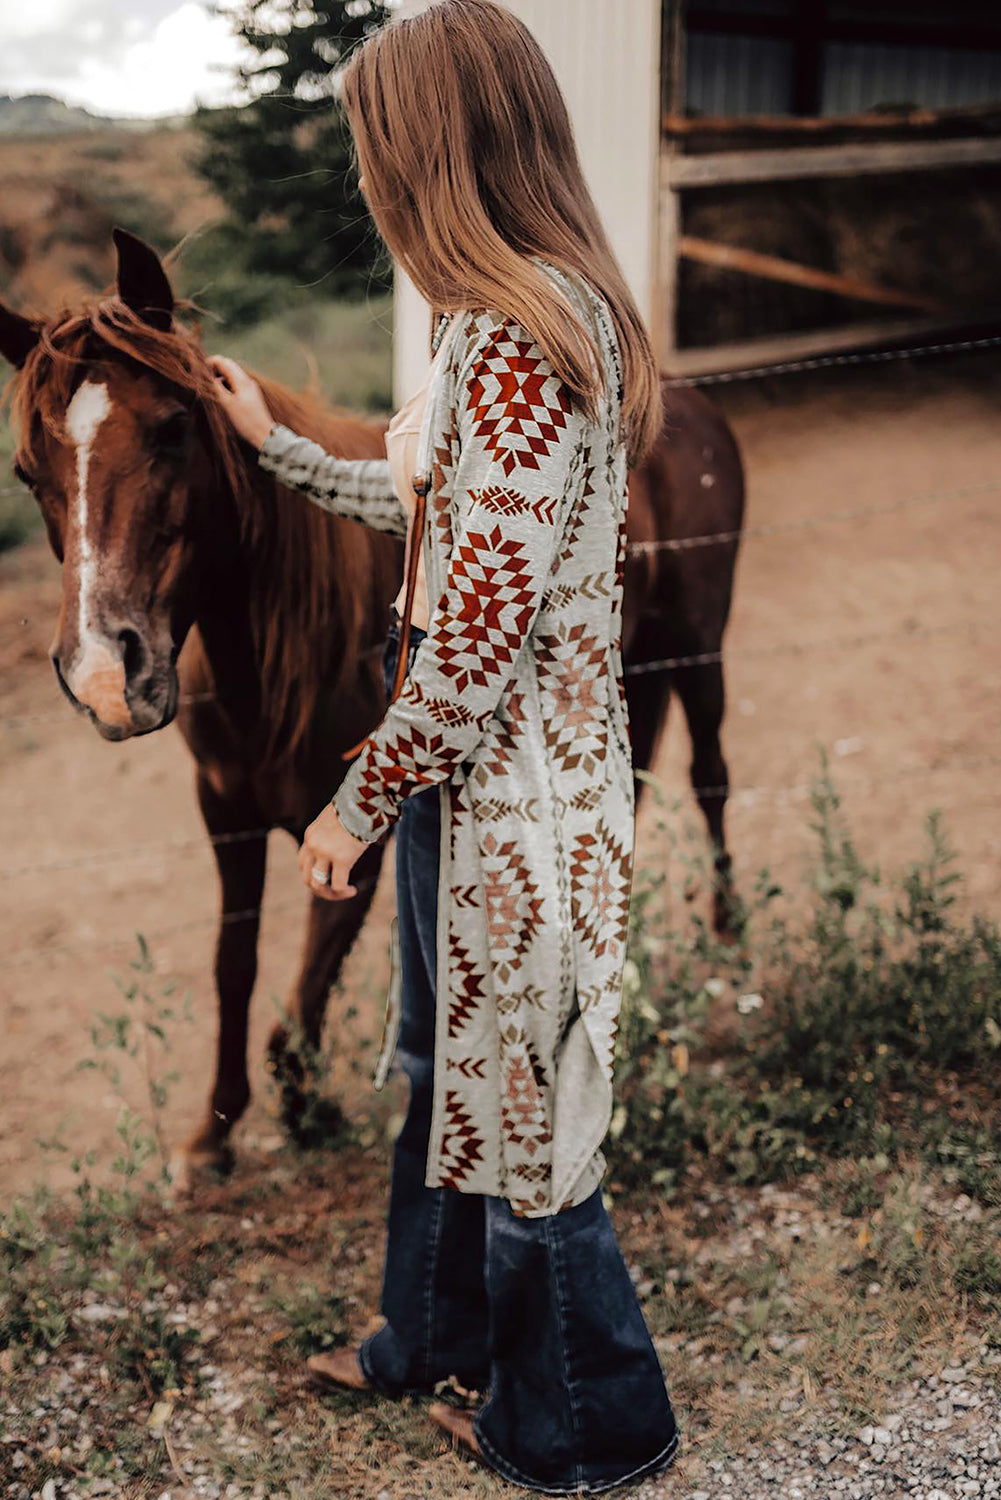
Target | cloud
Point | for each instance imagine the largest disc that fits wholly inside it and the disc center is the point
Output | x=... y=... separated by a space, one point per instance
x=154 y=58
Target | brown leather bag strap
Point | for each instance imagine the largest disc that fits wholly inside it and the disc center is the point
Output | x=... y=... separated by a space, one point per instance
x=415 y=538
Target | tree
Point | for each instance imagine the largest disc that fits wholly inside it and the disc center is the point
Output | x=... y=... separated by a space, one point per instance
x=283 y=164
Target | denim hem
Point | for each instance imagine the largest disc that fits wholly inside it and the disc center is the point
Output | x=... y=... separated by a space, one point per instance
x=393 y=1392
x=508 y=1471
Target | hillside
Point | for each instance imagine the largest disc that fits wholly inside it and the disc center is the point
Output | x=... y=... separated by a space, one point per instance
x=44 y=114
x=61 y=192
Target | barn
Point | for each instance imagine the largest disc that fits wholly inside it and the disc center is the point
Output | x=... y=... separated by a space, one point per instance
x=781 y=178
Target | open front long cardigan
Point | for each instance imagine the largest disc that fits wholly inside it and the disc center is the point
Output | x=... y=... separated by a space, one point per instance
x=515 y=707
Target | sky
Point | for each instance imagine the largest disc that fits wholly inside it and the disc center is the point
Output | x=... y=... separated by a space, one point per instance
x=117 y=57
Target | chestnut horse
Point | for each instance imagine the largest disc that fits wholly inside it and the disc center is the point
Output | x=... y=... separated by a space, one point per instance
x=195 y=588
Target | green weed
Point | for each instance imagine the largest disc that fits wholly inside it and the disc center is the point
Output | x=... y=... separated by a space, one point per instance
x=823 y=1034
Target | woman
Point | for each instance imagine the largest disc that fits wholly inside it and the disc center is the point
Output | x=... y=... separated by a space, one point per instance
x=503 y=762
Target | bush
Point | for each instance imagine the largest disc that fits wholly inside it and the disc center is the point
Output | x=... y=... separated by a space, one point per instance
x=841 y=1020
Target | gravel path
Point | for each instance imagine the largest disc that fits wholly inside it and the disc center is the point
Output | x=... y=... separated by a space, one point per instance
x=938 y=1441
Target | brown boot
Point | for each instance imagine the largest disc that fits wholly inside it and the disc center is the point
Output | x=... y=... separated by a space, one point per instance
x=339 y=1367
x=457 y=1423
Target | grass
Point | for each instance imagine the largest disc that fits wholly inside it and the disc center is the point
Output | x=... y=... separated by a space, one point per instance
x=345 y=346
x=191 y=1352
x=844 y=1022
x=20 y=518
x=795 y=1265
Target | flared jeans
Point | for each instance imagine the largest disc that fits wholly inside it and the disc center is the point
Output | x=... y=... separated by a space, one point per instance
x=539 y=1312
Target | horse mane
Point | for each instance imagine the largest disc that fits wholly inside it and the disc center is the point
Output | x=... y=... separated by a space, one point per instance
x=314 y=575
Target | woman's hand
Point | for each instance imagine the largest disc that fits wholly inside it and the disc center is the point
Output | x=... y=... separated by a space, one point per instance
x=242 y=400
x=328 y=847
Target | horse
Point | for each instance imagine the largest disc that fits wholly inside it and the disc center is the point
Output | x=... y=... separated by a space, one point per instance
x=196 y=589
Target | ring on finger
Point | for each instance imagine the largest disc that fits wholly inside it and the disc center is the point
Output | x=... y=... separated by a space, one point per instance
x=321 y=874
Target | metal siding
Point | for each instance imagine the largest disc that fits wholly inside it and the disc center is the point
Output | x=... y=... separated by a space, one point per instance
x=606 y=55
x=738 y=75
x=858 y=76
x=745 y=75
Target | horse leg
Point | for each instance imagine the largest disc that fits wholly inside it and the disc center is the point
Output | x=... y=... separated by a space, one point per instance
x=648 y=697
x=702 y=693
x=331 y=930
x=241 y=865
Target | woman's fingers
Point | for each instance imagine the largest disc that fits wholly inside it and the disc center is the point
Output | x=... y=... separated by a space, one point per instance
x=241 y=398
x=231 y=376
x=322 y=878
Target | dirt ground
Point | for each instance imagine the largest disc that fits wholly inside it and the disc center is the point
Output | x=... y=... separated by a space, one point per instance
x=875 y=636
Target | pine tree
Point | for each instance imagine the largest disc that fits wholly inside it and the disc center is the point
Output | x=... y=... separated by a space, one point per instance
x=283 y=162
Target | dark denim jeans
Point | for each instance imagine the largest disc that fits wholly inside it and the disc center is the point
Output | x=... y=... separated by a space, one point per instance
x=540 y=1311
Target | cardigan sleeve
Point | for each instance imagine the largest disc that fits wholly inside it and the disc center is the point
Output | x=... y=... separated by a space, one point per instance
x=359 y=488
x=519 y=441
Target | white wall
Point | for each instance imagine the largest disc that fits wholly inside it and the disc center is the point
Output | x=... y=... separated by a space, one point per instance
x=606 y=55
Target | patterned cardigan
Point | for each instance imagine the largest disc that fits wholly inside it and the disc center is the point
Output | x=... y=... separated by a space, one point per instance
x=515 y=707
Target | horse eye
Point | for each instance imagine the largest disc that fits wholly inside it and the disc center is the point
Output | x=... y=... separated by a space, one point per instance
x=172 y=432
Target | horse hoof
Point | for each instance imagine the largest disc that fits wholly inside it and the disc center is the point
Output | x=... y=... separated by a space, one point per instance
x=195 y=1165
x=285 y=1063
x=729 y=918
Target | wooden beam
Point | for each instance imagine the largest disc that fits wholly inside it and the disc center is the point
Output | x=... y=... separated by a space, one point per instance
x=665 y=327
x=774 y=268
x=749 y=354
x=719 y=168
x=871 y=122
x=673 y=57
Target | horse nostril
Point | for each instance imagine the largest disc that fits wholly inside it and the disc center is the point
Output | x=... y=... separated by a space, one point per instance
x=64 y=685
x=132 y=652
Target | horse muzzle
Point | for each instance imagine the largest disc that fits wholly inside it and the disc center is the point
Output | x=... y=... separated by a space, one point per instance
x=123 y=687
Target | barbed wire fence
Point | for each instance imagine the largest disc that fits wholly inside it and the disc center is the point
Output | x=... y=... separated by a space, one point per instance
x=782 y=796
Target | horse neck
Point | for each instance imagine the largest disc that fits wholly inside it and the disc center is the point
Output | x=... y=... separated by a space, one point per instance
x=288 y=590
x=224 y=608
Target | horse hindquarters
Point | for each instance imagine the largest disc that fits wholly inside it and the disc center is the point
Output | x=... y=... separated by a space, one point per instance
x=690 y=490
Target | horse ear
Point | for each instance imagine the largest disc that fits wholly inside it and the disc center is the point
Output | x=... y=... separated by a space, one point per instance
x=18 y=336
x=142 y=281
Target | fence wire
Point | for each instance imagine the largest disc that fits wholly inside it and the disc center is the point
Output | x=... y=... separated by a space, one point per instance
x=705 y=658
x=683 y=544
x=793 y=794
x=814 y=523
x=31 y=956
x=836 y=361
x=794 y=791
x=789 y=795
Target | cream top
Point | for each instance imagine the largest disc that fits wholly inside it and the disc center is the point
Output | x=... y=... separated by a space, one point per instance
x=402 y=442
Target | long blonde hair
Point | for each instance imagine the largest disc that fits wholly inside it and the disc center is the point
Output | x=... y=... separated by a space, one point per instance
x=471 y=168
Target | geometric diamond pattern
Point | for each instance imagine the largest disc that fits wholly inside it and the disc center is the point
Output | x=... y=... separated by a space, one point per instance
x=600 y=875
x=490 y=608
x=517 y=405
x=512 y=708
x=513 y=902
x=467 y=988
x=462 y=1144
x=524 y=1112
x=572 y=664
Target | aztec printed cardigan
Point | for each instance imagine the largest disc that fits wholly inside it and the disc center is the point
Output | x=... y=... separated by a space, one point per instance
x=516 y=708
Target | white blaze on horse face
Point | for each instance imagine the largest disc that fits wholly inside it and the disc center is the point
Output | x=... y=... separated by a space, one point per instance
x=97 y=674
x=84 y=415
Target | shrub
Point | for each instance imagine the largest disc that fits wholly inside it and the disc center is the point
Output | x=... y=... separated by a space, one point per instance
x=841 y=1018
